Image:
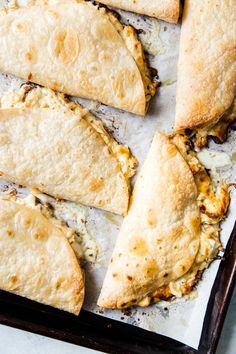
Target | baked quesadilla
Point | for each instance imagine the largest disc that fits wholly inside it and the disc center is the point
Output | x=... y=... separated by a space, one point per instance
x=206 y=86
x=37 y=260
x=171 y=232
x=55 y=146
x=167 y=10
x=79 y=49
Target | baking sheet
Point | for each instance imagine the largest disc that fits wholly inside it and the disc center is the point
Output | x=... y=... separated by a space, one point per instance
x=181 y=319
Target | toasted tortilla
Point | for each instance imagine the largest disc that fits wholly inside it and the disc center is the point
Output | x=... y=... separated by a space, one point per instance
x=167 y=10
x=37 y=260
x=78 y=49
x=207 y=64
x=34 y=96
x=171 y=232
x=63 y=152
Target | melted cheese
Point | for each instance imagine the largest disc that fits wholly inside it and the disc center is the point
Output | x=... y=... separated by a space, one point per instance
x=67 y=216
x=218 y=131
x=213 y=204
x=133 y=44
x=214 y=159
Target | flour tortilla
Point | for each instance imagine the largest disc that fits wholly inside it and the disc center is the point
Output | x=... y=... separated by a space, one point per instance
x=61 y=154
x=37 y=260
x=206 y=85
x=167 y=10
x=77 y=49
x=159 y=238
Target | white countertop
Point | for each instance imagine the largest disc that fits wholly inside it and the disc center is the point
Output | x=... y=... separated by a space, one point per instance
x=14 y=341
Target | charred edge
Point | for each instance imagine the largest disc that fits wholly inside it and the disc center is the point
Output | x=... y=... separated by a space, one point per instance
x=103 y=6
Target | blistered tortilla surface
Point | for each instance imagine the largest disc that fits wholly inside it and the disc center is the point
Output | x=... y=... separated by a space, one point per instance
x=60 y=153
x=159 y=238
x=37 y=260
x=77 y=49
x=206 y=85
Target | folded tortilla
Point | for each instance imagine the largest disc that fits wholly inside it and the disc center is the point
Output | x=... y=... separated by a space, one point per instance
x=171 y=232
x=37 y=260
x=167 y=10
x=78 y=49
x=62 y=150
x=207 y=65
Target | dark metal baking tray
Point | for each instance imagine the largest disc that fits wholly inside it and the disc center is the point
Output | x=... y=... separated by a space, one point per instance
x=111 y=336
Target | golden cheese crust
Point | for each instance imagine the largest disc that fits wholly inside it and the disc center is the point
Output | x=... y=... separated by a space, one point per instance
x=206 y=85
x=78 y=49
x=37 y=260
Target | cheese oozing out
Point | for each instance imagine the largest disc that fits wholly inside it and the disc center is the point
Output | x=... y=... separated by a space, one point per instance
x=213 y=203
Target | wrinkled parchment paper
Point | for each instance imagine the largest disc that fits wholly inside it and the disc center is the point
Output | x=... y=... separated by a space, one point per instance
x=181 y=319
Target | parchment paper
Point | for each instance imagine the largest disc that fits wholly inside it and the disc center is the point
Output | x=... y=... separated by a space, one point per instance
x=181 y=319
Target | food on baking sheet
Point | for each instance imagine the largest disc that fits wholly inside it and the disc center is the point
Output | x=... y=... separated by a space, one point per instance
x=218 y=132
x=171 y=232
x=79 y=49
x=207 y=69
x=52 y=144
x=37 y=260
x=167 y=10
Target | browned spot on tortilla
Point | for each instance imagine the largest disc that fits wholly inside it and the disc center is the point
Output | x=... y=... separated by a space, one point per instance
x=101 y=32
x=31 y=55
x=171 y=151
x=151 y=218
x=195 y=223
x=10 y=233
x=65 y=46
x=54 y=14
x=26 y=222
x=114 y=275
x=129 y=277
x=58 y=284
x=124 y=79
x=176 y=233
x=96 y=184
x=59 y=148
x=13 y=278
x=55 y=86
x=30 y=76
x=21 y=26
x=151 y=268
x=85 y=82
x=40 y=235
x=139 y=247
